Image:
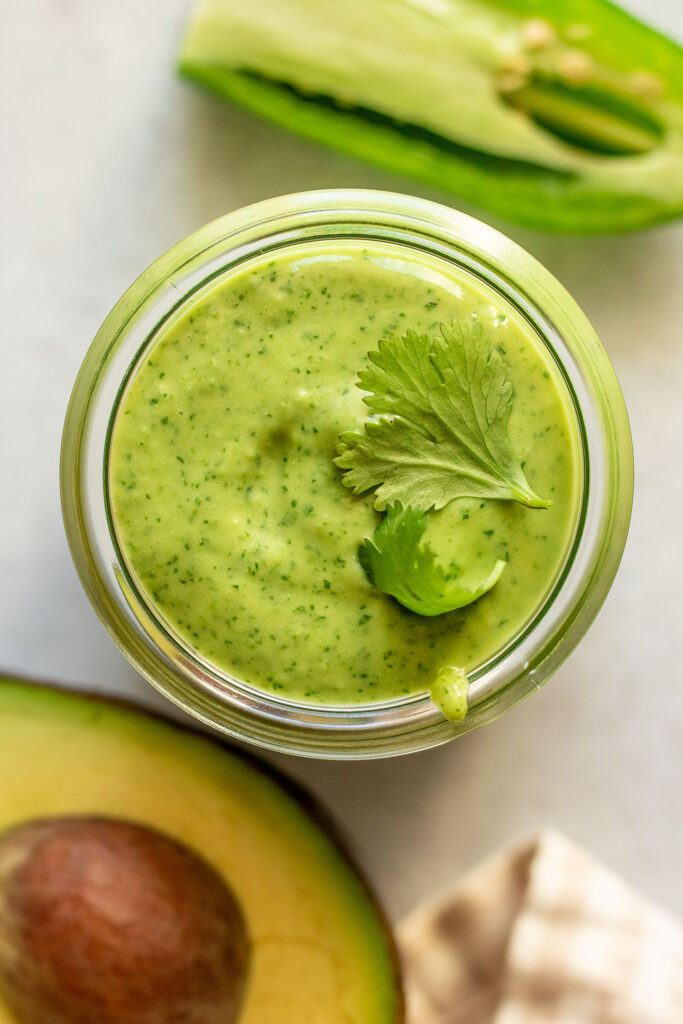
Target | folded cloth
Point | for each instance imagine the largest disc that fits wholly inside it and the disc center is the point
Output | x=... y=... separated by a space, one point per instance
x=542 y=934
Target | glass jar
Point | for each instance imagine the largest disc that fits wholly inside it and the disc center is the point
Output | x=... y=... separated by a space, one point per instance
x=371 y=730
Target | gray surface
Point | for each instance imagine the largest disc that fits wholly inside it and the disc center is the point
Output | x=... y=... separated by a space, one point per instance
x=108 y=161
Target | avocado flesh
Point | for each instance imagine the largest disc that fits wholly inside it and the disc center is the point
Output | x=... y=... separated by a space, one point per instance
x=321 y=952
x=419 y=87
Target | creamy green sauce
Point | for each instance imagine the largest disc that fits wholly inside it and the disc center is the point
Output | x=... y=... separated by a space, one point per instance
x=233 y=519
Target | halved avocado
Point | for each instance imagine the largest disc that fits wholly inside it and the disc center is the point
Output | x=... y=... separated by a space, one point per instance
x=321 y=952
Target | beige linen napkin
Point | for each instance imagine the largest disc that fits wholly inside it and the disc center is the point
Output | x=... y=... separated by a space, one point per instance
x=542 y=934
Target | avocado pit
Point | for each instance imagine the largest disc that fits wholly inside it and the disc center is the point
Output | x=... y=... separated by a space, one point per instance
x=105 y=921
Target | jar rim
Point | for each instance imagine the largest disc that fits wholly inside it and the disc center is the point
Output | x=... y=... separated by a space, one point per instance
x=402 y=724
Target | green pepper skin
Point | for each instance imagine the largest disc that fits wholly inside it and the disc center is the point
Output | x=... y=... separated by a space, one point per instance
x=594 y=194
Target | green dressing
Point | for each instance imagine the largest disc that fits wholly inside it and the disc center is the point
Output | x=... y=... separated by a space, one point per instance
x=232 y=517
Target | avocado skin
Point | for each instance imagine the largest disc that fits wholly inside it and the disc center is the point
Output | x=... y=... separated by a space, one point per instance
x=291 y=803
x=646 y=191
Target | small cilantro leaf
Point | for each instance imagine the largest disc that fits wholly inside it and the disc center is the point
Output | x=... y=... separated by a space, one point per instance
x=442 y=406
x=395 y=563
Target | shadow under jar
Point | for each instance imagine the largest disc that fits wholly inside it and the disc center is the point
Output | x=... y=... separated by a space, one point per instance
x=212 y=530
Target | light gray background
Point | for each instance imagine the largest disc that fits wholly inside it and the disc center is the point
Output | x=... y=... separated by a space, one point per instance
x=107 y=160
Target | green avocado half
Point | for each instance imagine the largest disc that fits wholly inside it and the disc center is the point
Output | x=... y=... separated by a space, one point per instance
x=320 y=950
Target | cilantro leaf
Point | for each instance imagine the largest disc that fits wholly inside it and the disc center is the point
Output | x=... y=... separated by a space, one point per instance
x=395 y=563
x=441 y=431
